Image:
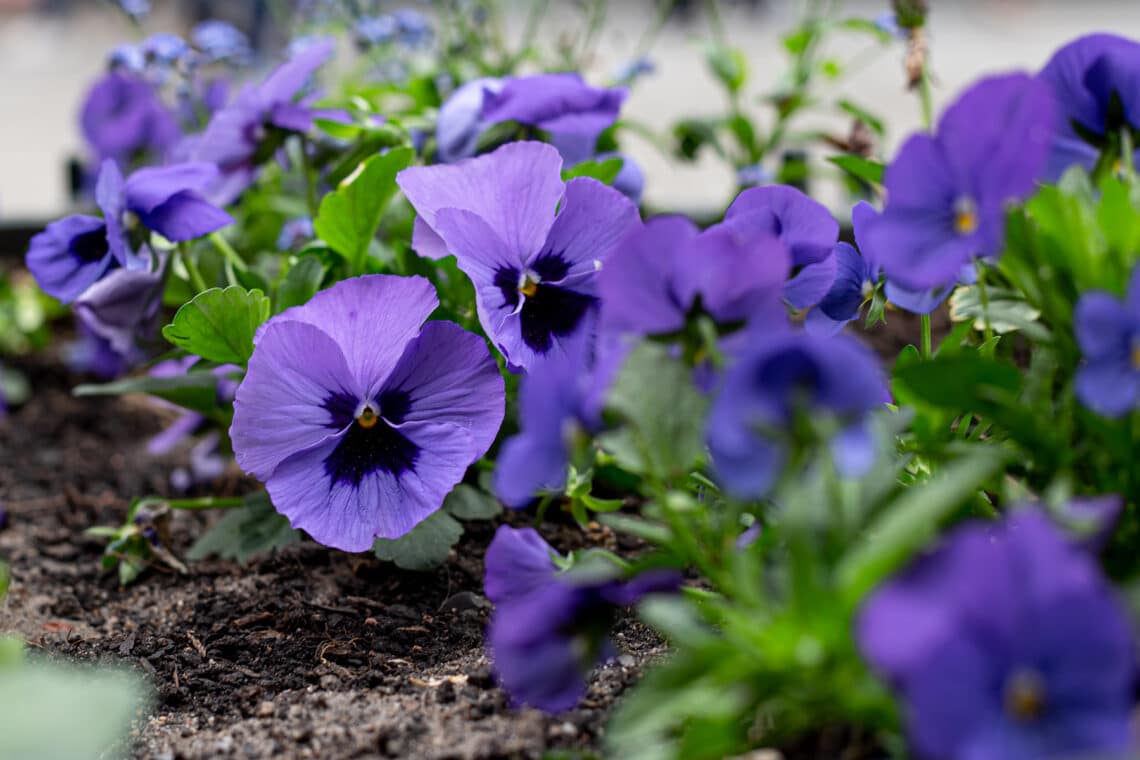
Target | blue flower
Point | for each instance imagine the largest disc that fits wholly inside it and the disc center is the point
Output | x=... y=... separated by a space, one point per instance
x=221 y=41
x=374 y=30
x=550 y=628
x=1108 y=333
x=854 y=283
x=779 y=376
x=1005 y=643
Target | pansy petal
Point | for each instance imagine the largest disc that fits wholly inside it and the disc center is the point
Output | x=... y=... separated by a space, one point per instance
x=592 y=220
x=355 y=312
x=122 y=305
x=845 y=296
x=290 y=77
x=109 y=197
x=737 y=270
x=1104 y=327
x=806 y=226
x=426 y=241
x=809 y=285
x=518 y=562
x=185 y=216
x=916 y=249
x=853 y=449
x=555 y=102
x=450 y=376
x=921 y=301
x=542 y=672
x=68 y=256
x=528 y=463
x=1109 y=388
x=282 y=405
x=515 y=189
x=638 y=283
x=148 y=188
x=949 y=700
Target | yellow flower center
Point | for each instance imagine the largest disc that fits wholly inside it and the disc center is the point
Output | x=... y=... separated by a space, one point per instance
x=367 y=418
x=965 y=216
x=1136 y=356
x=1025 y=695
x=528 y=284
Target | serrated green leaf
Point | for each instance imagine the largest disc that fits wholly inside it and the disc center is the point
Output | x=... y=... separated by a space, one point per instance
x=469 y=503
x=301 y=283
x=195 y=390
x=863 y=168
x=910 y=522
x=219 y=325
x=663 y=411
x=349 y=216
x=425 y=547
x=603 y=171
x=245 y=531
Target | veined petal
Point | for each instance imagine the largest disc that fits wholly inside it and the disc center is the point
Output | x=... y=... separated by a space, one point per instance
x=638 y=284
x=296 y=374
x=109 y=196
x=185 y=216
x=147 y=189
x=804 y=225
x=592 y=220
x=69 y=255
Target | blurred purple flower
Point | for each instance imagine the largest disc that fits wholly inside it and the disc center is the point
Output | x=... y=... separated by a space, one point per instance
x=358 y=416
x=123 y=117
x=92 y=354
x=549 y=629
x=414 y=28
x=1005 y=642
x=374 y=30
x=531 y=244
x=854 y=283
x=947 y=193
x=777 y=376
x=1108 y=333
x=295 y=233
x=1085 y=76
x=123 y=307
x=237 y=139
x=220 y=40
x=460 y=120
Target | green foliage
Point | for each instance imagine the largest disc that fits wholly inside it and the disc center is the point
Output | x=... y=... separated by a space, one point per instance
x=603 y=171
x=255 y=528
x=349 y=216
x=428 y=544
x=862 y=168
x=196 y=390
x=301 y=283
x=728 y=65
x=218 y=325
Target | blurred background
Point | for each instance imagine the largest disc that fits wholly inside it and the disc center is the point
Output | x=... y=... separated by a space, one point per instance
x=52 y=50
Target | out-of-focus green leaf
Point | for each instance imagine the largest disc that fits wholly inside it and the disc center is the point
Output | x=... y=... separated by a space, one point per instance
x=469 y=503
x=195 y=390
x=427 y=545
x=863 y=168
x=728 y=65
x=245 y=531
x=301 y=283
x=603 y=171
x=1007 y=312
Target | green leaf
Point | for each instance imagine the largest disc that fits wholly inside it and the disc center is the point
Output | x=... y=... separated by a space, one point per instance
x=1119 y=216
x=855 y=111
x=55 y=711
x=219 y=325
x=5 y=579
x=863 y=168
x=728 y=64
x=603 y=171
x=654 y=533
x=912 y=520
x=348 y=217
x=469 y=503
x=664 y=412
x=958 y=381
x=301 y=283
x=425 y=547
x=246 y=531
x=195 y=390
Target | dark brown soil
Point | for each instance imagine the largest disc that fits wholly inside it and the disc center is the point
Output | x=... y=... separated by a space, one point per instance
x=309 y=653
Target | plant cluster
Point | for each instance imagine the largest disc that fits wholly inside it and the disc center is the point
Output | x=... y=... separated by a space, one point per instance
x=406 y=301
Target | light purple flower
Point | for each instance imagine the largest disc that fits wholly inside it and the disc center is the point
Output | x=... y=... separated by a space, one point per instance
x=358 y=416
x=124 y=118
x=460 y=120
x=1005 y=642
x=123 y=307
x=1108 y=333
x=947 y=193
x=531 y=244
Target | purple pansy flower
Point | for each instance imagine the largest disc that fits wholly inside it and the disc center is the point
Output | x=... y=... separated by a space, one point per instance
x=560 y=399
x=1005 y=642
x=460 y=120
x=218 y=40
x=549 y=628
x=188 y=421
x=73 y=253
x=93 y=354
x=854 y=284
x=777 y=376
x=236 y=136
x=295 y=233
x=1108 y=332
x=806 y=228
x=663 y=269
x=1085 y=75
x=358 y=416
x=123 y=117
x=123 y=307
x=531 y=244
x=947 y=193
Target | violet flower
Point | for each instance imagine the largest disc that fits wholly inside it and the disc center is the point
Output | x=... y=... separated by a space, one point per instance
x=549 y=628
x=73 y=253
x=778 y=376
x=360 y=418
x=531 y=244
x=123 y=118
x=805 y=227
x=1085 y=76
x=854 y=284
x=666 y=268
x=1005 y=642
x=218 y=40
x=460 y=121
x=1108 y=333
x=123 y=307
x=239 y=137
x=947 y=193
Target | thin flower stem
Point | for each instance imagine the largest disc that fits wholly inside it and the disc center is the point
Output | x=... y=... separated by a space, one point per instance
x=927 y=350
x=228 y=251
x=191 y=268
x=310 y=180
x=205 y=502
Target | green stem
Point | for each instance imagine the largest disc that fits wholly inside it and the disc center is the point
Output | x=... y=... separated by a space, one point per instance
x=205 y=502
x=926 y=99
x=927 y=349
x=310 y=181
x=191 y=268
x=989 y=331
x=228 y=251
